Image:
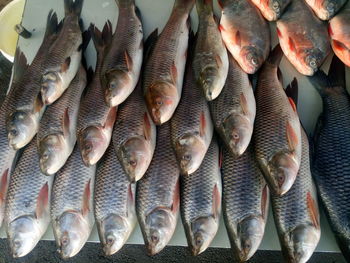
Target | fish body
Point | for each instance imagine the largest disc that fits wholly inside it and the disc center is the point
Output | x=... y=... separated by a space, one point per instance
x=191 y=135
x=339 y=32
x=134 y=136
x=164 y=70
x=245 y=203
x=277 y=135
x=123 y=60
x=72 y=205
x=27 y=209
x=114 y=203
x=272 y=9
x=303 y=38
x=296 y=213
x=158 y=195
x=234 y=111
x=57 y=131
x=210 y=62
x=95 y=118
x=326 y=9
x=201 y=201
x=245 y=32
x=64 y=55
x=24 y=105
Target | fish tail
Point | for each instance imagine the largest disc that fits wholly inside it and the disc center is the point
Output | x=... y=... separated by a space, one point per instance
x=73 y=7
x=185 y=5
x=292 y=91
x=336 y=72
x=125 y=3
x=51 y=24
x=275 y=56
x=101 y=39
x=149 y=44
x=320 y=81
x=204 y=6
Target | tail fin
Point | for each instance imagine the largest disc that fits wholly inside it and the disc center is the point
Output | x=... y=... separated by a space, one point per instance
x=20 y=65
x=71 y=7
x=185 y=5
x=204 y=5
x=292 y=91
x=125 y=3
x=51 y=24
x=101 y=39
x=336 y=72
x=149 y=44
x=275 y=56
x=320 y=81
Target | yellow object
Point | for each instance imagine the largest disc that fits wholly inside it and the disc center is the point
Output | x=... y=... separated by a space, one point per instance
x=10 y=16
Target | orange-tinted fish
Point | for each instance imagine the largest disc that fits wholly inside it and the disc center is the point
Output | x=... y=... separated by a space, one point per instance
x=325 y=9
x=271 y=9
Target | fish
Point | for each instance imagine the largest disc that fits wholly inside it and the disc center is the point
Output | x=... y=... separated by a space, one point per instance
x=210 y=62
x=276 y=135
x=64 y=55
x=245 y=202
x=27 y=211
x=191 y=135
x=122 y=63
x=94 y=129
x=72 y=205
x=25 y=106
x=57 y=130
x=164 y=70
x=200 y=202
x=114 y=203
x=303 y=38
x=245 y=33
x=233 y=112
x=158 y=195
x=331 y=158
x=326 y=9
x=339 y=32
x=271 y=9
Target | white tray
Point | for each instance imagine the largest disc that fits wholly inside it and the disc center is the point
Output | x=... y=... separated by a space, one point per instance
x=155 y=14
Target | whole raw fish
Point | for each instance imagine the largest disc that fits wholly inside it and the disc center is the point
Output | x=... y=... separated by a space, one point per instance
x=210 y=62
x=233 y=112
x=123 y=60
x=272 y=9
x=325 y=9
x=245 y=32
x=164 y=70
x=303 y=37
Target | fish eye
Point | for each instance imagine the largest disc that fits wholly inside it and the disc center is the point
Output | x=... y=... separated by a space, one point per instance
x=276 y=5
x=110 y=240
x=88 y=147
x=132 y=163
x=13 y=132
x=235 y=135
x=45 y=156
x=159 y=102
x=186 y=157
x=155 y=238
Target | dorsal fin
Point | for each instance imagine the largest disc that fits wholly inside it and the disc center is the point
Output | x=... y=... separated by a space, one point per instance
x=20 y=65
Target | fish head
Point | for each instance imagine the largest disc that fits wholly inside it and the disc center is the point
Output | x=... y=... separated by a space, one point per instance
x=135 y=155
x=283 y=169
x=250 y=232
x=190 y=151
x=23 y=235
x=93 y=144
x=114 y=232
x=21 y=128
x=160 y=226
x=330 y=7
x=209 y=80
x=118 y=86
x=275 y=6
x=237 y=131
x=51 y=87
x=52 y=153
x=312 y=61
x=203 y=232
x=161 y=100
x=302 y=242
x=72 y=231
x=251 y=59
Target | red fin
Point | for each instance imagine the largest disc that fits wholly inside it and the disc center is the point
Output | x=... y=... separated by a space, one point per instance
x=238 y=38
x=221 y=4
x=146 y=127
x=112 y=115
x=279 y=34
x=86 y=199
x=42 y=201
x=291 y=44
x=174 y=74
x=216 y=201
x=338 y=45
x=128 y=60
x=291 y=101
x=265 y=3
x=65 y=65
x=221 y=28
x=264 y=199
x=176 y=197
x=66 y=122
x=313 y=211
x=218 y=61
x=203 y=124
x=244 y=103
x=330 y=31
x=292 y=137
x=3 y=185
